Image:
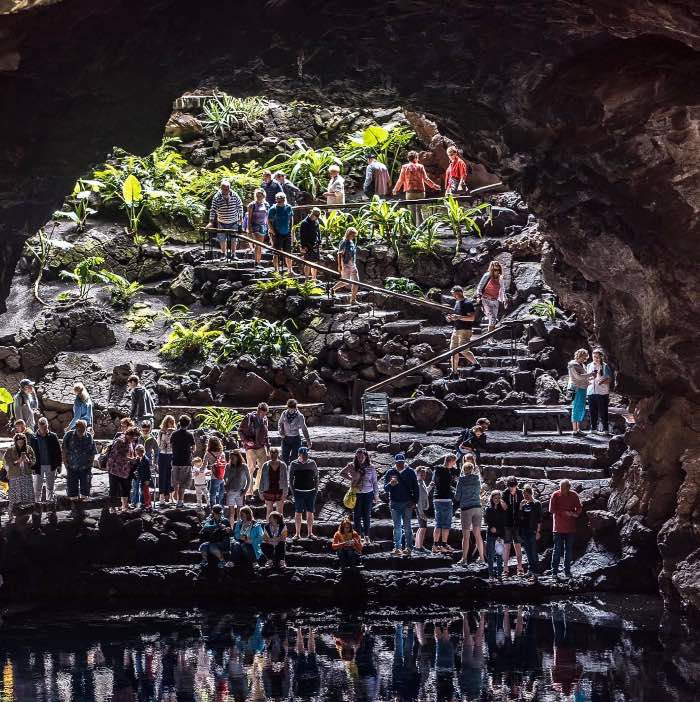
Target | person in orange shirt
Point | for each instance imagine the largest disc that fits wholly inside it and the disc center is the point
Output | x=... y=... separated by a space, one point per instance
x=413 y=180
x=347 y=544
x=456 y=174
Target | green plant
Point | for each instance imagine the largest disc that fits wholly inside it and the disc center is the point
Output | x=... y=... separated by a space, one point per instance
x=258 y=337
x=403 y=285
x=43 y=250
x=223 y=113
x=222 y=419
x=306 y=167
x=79 y=202
x=176 y=313
x=86 y=275
x=121 y=290
x=545 y=309
x=425 y=239
x=306 y=289
x=6 y=400
x=188 y=342
x=460 y=218
x=333 y=224
x=391 y=222
x=390 y=147
x=132 y=195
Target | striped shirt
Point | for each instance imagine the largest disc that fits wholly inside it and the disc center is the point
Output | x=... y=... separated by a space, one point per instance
x=226 y=210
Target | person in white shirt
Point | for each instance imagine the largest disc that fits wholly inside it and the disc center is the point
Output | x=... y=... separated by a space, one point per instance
x=335 y=194
x=598 y=391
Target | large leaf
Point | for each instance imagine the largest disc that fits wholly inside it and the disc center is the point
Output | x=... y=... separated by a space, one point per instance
x=131 y=190
x=374 y=135
x=6 y=399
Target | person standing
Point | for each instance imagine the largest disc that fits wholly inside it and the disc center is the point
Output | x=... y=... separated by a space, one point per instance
x=490 y=292
x=271 y=187
x=142 y=405
x=511 y=498
x=182 y=443
x=274 y=483
x=48 y=461
x=165 y=460
x=142 y=474
x=236 y=483
x=280 y=219
x=463 y=320
x=256 y=220
x=150 y=444
x=413 y=180
x=335 y=192
x=120 y=465
x=377 y=178
x=291 y=425
x=82 y=406
x=456 y=174
x=495 y=518
x=347 y=263
x=363 y=477
x=530 y=527
x=468 y=495
x=26 y=404
x=253 y=433
x=226 y=213
x=443 y=500
x=565 y=508
x=19 y=463
x=303 y=481
x=402 y=485
x=79 y=452
x=288 y=188
x=310 y=241
x=578 y=385
x=215 y=461
x=598 y=391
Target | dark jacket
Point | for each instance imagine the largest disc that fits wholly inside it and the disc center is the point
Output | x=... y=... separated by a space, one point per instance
x=253 y=431
x=495 y=517
x=142 y=405
x=407 y=488
x=303 y=475
x=79 y=452
x=442 y=479
x=530 y=515
x=142 y=471
x=468 y=492
x=513 y=503
x=271 y=189
x=213 y=531
x=54 y=448
x=470 y=439
x=291 y=191
x=310 y=233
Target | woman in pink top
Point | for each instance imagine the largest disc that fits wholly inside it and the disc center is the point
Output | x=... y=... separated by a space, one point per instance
x=490 y=292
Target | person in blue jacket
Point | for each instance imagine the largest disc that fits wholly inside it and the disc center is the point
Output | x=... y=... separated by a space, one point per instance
x=82 y=406
x=401 y=483
x=246 y=545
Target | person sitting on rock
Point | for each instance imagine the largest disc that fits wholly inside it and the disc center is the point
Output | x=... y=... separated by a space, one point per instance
x=402 y=485
x=216 y=537
x=274 y=540
x=490 y=293
x=142 y=474
x=463 y=320
x=246 y=545
x=347 y=544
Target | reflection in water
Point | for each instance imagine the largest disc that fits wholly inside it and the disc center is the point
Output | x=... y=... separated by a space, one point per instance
x=498 y=653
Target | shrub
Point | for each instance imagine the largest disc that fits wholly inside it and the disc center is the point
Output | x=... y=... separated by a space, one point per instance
x=306 y=167
x=387 y=219
x=121 y=290
x=545 y=309
x=189 y=342
x=222 y=419
x=176 y=313
x=86 y=275
x=258 y=337
x=308 y=288
x=79 y=202
x=389 y=146
x=403 y=285
x=460 y=218
x=224 y=113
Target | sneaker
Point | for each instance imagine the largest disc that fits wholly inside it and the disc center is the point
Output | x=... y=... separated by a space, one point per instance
x=476 y=366
x=179 y=505
x=396 y=552
x=406 y=552
x=283 y=564
x=446 y=548
x=436 y=549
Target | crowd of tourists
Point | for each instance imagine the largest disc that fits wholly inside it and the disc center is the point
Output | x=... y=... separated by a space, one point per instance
x=154 y=470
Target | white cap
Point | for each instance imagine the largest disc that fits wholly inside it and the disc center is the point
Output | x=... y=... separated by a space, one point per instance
x=226 y=182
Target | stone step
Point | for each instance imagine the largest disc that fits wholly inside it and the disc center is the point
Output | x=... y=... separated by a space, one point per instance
x=545 y=459
x=491 y=473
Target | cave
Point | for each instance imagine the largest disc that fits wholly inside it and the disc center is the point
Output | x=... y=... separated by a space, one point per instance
x=588 y=110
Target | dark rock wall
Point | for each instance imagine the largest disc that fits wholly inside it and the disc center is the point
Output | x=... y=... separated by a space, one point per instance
x=590 y=109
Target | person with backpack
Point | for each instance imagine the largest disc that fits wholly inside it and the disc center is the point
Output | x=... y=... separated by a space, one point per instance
x=78 y=456
x=401 y=483
x=142 y=404
x=413 y=180
x=25 y=405
x=215 y=461
x=48 y=461
x=253 y=433
x=310 y=241
x=456 y=173
x=291 y=426
x=280 y=218
x=182 y=443
x=347 y=263
x=377 y=178
x=120 y=465
x=256 y=221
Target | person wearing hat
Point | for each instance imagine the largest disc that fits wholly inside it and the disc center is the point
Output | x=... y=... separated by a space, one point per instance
x=377 y=178
x=280 y=219
x=335 y=193
x=401 y=483
x=25 y=403
x=303 y=482
x=226 y=213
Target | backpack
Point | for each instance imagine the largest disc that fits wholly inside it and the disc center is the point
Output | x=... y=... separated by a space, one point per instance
x=219 y=467
x=103 y=457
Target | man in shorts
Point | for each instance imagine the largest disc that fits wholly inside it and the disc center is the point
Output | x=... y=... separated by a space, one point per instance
x=280 y=218
x=511 y=498
x=463 y=320
x=303 y=480
x=182 y=444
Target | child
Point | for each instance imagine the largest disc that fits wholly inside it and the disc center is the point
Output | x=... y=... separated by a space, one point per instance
x=495 y=518
x=200 y=474
x=274 y=540
x=142 y=474
x=236 y=483
x=425 y=477
x=347 y=544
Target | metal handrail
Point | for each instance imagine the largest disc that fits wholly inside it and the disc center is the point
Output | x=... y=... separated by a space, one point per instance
x=330 y=271
x=422 y=201
x=445 y=354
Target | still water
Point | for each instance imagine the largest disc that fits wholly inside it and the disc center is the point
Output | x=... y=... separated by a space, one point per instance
x=575 y=651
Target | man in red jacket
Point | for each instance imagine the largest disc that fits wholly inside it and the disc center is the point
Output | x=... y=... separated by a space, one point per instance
x=565 y=507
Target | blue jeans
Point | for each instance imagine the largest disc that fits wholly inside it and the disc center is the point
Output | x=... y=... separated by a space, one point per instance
x=363 y=512
x=402 y=512
x=565 y=542
x=290 y=448
x=529 y=541
x=216 y=492
x=136 y=495
x=493 y=560
x=348 y=557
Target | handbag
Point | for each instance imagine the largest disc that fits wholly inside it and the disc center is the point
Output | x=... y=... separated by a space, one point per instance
x=350 y=499
x=570 y=393
x=498 y=546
